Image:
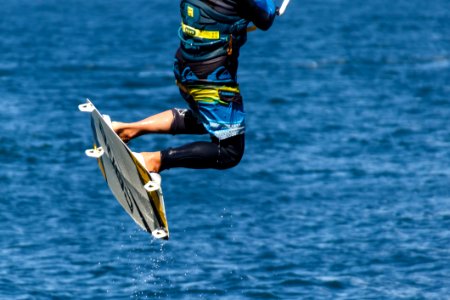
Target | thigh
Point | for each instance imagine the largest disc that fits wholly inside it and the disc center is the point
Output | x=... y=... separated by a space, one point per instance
x=197 y=155
x=216 y=154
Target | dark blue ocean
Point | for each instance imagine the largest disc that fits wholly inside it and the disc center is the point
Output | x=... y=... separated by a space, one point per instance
x=343 y=192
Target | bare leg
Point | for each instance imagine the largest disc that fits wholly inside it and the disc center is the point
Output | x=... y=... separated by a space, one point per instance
x=159 y=123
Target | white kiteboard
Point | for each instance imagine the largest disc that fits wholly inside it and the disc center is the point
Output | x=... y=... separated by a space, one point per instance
x=137 y=190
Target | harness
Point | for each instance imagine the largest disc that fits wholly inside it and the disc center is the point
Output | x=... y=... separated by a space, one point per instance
x=205 y=33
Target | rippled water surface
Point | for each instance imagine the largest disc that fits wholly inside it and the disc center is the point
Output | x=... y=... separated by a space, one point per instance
x=343 y=193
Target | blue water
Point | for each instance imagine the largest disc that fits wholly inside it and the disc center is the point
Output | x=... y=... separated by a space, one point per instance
x=343 y=193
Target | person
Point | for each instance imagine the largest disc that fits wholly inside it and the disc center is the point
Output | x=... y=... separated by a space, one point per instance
x=206 y=63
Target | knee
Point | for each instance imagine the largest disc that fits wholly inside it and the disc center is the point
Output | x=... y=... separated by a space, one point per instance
x=230 y=160
x=231 y=152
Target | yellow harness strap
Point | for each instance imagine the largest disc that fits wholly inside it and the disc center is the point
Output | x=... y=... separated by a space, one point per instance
x=207 y=93
x=203 y=34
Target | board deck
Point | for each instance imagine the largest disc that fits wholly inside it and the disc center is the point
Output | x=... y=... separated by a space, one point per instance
x=138 y=191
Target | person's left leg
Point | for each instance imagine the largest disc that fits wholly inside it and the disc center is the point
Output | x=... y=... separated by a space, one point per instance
x=159 y=123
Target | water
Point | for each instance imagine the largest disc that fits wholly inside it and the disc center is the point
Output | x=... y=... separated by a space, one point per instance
x=343 y=193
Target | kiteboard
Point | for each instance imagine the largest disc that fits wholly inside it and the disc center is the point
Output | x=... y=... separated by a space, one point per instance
x=137 y=190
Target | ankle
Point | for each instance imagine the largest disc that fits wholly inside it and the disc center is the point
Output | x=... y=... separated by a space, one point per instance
x=152 y=161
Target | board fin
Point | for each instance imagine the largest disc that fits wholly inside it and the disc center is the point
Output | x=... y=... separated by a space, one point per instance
x=95 y=153
x=86 y=107
x=160 y=234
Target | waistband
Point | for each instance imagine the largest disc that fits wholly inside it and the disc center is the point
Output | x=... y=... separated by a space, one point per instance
x=212 y=94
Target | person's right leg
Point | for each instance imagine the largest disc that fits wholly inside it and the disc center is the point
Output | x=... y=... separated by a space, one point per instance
x=216 y=154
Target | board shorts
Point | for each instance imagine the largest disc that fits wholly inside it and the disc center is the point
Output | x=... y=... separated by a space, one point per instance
x=215 y=107
x=218 y=108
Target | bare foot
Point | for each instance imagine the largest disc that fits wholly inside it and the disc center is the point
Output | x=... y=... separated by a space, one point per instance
x=124 y=131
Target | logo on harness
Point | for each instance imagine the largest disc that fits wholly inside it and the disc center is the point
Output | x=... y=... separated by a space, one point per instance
x=190 y=11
